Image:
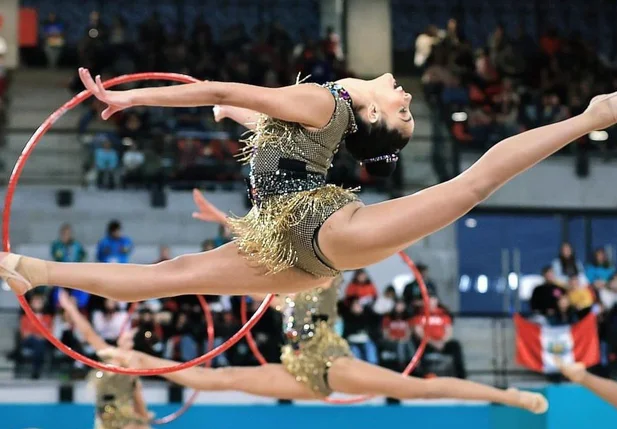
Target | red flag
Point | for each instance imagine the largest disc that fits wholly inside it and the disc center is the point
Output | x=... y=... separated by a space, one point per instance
x=537 y=345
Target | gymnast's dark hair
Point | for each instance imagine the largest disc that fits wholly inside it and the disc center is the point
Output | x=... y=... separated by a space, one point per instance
x=375 y=141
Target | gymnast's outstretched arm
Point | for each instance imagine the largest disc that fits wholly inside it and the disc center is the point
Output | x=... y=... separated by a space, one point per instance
x=305 y=104
x=604 y=388
x=80 y=323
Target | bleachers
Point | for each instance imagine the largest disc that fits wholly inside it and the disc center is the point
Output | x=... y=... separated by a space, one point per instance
x=478 y=19
x=219 y=15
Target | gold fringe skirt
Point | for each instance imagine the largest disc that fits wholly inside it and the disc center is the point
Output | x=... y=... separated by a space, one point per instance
x=278 y=233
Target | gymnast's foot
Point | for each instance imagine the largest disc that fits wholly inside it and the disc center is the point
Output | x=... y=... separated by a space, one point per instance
x=534 y=402
x=22 y=273
x=603 y=109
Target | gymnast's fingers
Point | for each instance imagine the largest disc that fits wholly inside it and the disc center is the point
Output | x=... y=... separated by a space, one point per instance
x=99 y=85
x=87 y=80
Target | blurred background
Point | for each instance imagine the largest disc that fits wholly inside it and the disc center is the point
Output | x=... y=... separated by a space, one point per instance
x=480 y=71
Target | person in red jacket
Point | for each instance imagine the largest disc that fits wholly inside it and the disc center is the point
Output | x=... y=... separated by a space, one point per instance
x=362 y=288
x=31 y=338
x=439 y=333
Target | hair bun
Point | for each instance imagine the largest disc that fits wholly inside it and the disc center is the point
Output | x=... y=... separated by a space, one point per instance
x=380 y=169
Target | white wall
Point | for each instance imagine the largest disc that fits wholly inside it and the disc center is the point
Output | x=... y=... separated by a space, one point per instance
x=369 y=37
x=9 y=10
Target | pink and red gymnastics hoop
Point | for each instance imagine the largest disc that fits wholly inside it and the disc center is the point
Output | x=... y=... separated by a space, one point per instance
x=410 y=367
x=6 y=242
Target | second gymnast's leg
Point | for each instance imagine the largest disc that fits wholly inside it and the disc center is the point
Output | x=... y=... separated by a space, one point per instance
x=355 y=377
x=223 y=271
x=358 y=236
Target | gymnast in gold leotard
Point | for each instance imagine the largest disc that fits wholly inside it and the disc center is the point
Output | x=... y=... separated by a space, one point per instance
x=119 y=403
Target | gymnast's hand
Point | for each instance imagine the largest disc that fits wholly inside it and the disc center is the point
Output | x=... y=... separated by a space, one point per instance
x=207 y=212
x=65 y=301
x=115 y=100
x=220 y=113
x=121 y=357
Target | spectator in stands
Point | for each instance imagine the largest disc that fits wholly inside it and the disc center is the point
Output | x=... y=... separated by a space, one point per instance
x=440 y=334
x=181 y=345
x=362 y=288
x=412 y=295
x=207 y=245
x=566 y=313
x=132 y=166
x=424 y=45
x=566 y=265
x=109 y=321
x=386 y=301
x=357 y=322
x=66 y=248
x=507 y=105
x=224 y=236
x=114 y=247
x=581 y=296
x=600 y=270
x=106 y=162
x=396 y=331
x=544 y=297
x=608 y=294
x=31 y=339
x=164 y=254
x=149 y=333
x=53 y=39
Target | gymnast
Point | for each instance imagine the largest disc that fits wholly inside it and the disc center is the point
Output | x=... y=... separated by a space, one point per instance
x=302 y=231
x=316 y=361
x=119 y=401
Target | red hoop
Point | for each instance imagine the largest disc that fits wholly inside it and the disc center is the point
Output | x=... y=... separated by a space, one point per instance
x=410 y=367
x=6 y=242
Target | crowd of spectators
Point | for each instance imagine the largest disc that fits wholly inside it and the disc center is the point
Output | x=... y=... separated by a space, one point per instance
x=155 y=147
x=571 y=290
x=386 y=328
x=381 y=328
x=511 y=84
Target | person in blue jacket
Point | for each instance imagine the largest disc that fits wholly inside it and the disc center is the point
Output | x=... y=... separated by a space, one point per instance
x=600 y=268
x=67 y=249
x=115 y=247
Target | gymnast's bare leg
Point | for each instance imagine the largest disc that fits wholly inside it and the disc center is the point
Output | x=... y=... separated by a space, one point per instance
x=358 y=236
x=347 y=375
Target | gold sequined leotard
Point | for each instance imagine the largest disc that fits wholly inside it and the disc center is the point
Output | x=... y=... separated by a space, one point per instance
x=114 y=400
x=308 y=323
x=287 y=186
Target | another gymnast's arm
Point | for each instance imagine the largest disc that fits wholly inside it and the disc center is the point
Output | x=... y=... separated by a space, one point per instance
x=305 y=104
x=189 y=377
x=604 y=388
x=80 y=322
x=139 y=404
x=245 y=117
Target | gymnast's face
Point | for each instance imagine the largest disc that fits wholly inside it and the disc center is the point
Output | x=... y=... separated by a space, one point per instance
x=391 y=105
